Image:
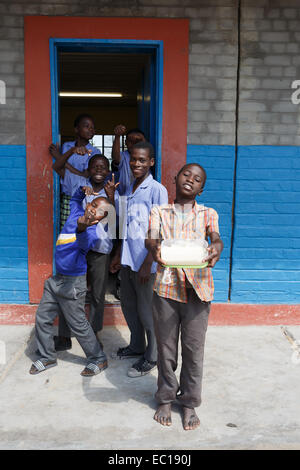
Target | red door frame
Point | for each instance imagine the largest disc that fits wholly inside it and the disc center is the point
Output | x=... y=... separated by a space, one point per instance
x=38 y=30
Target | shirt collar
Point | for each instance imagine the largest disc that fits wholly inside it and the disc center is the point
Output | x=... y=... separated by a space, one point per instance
x=196 y=207
x=144 y=184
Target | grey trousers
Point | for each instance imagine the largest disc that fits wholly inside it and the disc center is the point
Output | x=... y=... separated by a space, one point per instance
x=136 y=300
x=97 y=267
x=191 y=319
x=65 y=295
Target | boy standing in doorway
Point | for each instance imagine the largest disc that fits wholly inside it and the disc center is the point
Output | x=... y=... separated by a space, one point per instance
x=71 y=165
x=137 y=266
x=121 y=159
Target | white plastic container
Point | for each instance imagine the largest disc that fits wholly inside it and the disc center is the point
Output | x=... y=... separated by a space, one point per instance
x=179 y=253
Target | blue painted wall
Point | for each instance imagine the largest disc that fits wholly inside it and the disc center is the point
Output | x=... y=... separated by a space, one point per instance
x=13 y=222
x=266 y=250
x=218 y=162
x=266 y=238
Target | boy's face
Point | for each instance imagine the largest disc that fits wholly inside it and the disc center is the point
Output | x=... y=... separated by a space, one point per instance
x=98 y=170
x=189 y=182
x=133 y=139
x=97 y=209
x=85 y=129
x=140 y=162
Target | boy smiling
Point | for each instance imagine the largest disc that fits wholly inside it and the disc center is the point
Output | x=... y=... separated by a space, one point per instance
x=137 y=266
x=184 y=303
x=98 y=256
x=64 y=293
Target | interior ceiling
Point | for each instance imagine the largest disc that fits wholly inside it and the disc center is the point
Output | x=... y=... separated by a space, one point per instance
x=101 y=72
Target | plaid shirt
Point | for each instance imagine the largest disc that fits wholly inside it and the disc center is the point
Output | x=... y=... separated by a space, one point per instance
x=169 y=223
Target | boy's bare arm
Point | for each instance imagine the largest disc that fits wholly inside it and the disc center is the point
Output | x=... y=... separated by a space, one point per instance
x=214 y=249
x=145 y=269
x=55 y=153
x=61 y=161
x=116 y=147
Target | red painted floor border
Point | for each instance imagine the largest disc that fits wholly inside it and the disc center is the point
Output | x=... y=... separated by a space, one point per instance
x=221 y=314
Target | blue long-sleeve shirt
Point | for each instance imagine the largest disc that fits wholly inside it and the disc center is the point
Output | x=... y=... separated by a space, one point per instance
x=72 y=246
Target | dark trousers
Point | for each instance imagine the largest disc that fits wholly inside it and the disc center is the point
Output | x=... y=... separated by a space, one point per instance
x=136 y=300
x=97 y=268
x=191 y=319
x=65 y=295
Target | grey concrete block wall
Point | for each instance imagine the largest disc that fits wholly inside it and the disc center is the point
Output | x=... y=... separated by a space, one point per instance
x=270 y=46
x=269 y=53
x=212 y=77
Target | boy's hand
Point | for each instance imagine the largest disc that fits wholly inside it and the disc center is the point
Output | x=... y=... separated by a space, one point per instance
x=215 y=248
x=214 y=254
x=144 y=272
x=120 y=130
x=88 y=219
x=82 y=150
x=156 y=253
x=85 y=221
x=110 y=188
x=115 y=264
x=54 y=151
x=155 y=249
x=88 y=191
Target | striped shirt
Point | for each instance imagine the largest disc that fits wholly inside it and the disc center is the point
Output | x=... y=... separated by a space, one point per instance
x=170 y=222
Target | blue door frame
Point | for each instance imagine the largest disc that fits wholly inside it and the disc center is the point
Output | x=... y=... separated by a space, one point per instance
x=153 y=48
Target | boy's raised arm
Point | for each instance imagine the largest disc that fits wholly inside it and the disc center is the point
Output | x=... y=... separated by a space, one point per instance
x=116 y=147
x=61 y=160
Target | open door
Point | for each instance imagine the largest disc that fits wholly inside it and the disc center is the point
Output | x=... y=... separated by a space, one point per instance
x=146 y=101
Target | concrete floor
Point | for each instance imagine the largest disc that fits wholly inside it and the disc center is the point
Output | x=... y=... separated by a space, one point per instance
x=251 y=391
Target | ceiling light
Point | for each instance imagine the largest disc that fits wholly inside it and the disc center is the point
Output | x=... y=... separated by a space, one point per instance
x=75 y=94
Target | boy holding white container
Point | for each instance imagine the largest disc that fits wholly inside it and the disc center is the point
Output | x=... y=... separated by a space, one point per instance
x=183 y=300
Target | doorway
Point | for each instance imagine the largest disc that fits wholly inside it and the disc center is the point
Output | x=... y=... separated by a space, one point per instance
x=126 y=80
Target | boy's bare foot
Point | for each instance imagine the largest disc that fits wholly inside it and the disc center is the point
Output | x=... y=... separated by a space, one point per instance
x=190 y=419
x=163 y=415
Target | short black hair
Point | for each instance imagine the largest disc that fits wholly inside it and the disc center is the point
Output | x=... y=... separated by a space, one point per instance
x=80 y=117
x=195 y=164
x=145 y=145
x=135 y=131
x=98 y=155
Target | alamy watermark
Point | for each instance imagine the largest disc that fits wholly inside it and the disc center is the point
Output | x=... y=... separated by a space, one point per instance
x=134 y=220
x=296 y=94
x=2 y=92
